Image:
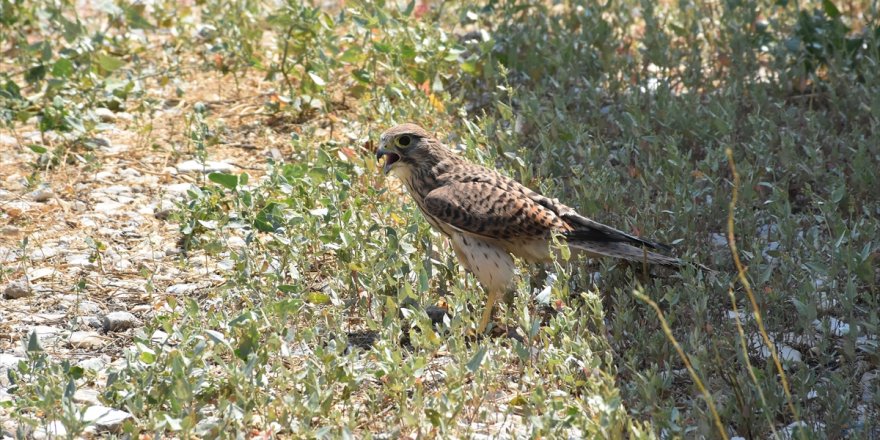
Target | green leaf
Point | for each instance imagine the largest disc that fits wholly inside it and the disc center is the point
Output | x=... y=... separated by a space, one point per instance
x=287 y=288
x=474 y=364
x=217 y=337
x=76 y=372
x=469 y=67
x=39 y=149
x=830 y=9
x=363 y=76
x=109 y=63
x=266 y=219
x=227 y=180
x=147 y=355
x=12 y=90
x=838 y=193
x=134 y=14
x=433 y=416
x=33 y=345
x=62 y=68
x=249 y=342
x=70 y=389
x=382 y=47
x=317 y=298
x=35 y=74
x=351 y=56
x=72 y=30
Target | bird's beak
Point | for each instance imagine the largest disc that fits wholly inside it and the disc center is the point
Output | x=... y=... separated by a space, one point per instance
x=390 y=158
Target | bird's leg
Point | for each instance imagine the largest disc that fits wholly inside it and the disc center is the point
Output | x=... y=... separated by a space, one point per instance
x=487 y=312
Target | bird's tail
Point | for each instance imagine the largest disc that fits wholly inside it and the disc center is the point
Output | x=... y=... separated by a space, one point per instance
x=624 y=251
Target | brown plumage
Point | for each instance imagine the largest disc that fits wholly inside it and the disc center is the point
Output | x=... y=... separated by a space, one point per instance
x=489 y=216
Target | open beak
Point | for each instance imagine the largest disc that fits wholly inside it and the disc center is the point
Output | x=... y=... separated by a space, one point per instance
x=390 y=158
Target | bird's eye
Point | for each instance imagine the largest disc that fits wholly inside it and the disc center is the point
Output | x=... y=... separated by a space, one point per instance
x=404 y=141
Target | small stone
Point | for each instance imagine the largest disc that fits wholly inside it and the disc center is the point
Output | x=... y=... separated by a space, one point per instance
x=162 y=214
x=44 y=331
x=800 y=429
x=8 y=362
x=226 y=265
x=42 y=194
x=16 y=181
x=786 y=353
x=122 y=264
x=16 y=290
x=182 y=289
x=180 y=188
x=789 y=354
x=87 y=307
x=129 y=172
x=159 y=337
x=87 y=396
x=87 y=340
x=737 y=315
x=161 y=210
x=192 y=166
x=80 y=260
x=125 y=200
x=718 y=240
x=208 y=427
x=764 y=231
x=40 y=273
x=104 y=418
x=771 y=251
x=236 y=242
x=93 y=364
x=116 y=189
x=105 y=176
x=119 y=321
x=105 y=114
x=836 y=327
x=44 y=252
x=16 y=208
x=142 y=308
x=125 y=116
x=97 y=142
x=8 y=141
x=54 y=429
x=108 y=207
x=825 y=303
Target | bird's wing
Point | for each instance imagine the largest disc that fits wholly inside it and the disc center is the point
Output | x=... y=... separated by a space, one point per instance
x=502 y=208
x=487 y=209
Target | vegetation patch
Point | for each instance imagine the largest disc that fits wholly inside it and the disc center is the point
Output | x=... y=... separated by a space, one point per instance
x=196 y=241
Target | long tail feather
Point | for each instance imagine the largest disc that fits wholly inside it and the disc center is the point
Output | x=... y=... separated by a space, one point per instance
x=626 y=252
x=632 y=253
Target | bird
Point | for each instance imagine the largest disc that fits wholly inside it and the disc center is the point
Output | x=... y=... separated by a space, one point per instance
x=489 y=218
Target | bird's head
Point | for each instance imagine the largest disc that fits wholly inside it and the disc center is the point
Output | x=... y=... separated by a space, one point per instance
x=405 y=147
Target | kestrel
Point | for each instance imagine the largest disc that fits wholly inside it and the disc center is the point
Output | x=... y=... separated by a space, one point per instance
x=489 y=217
